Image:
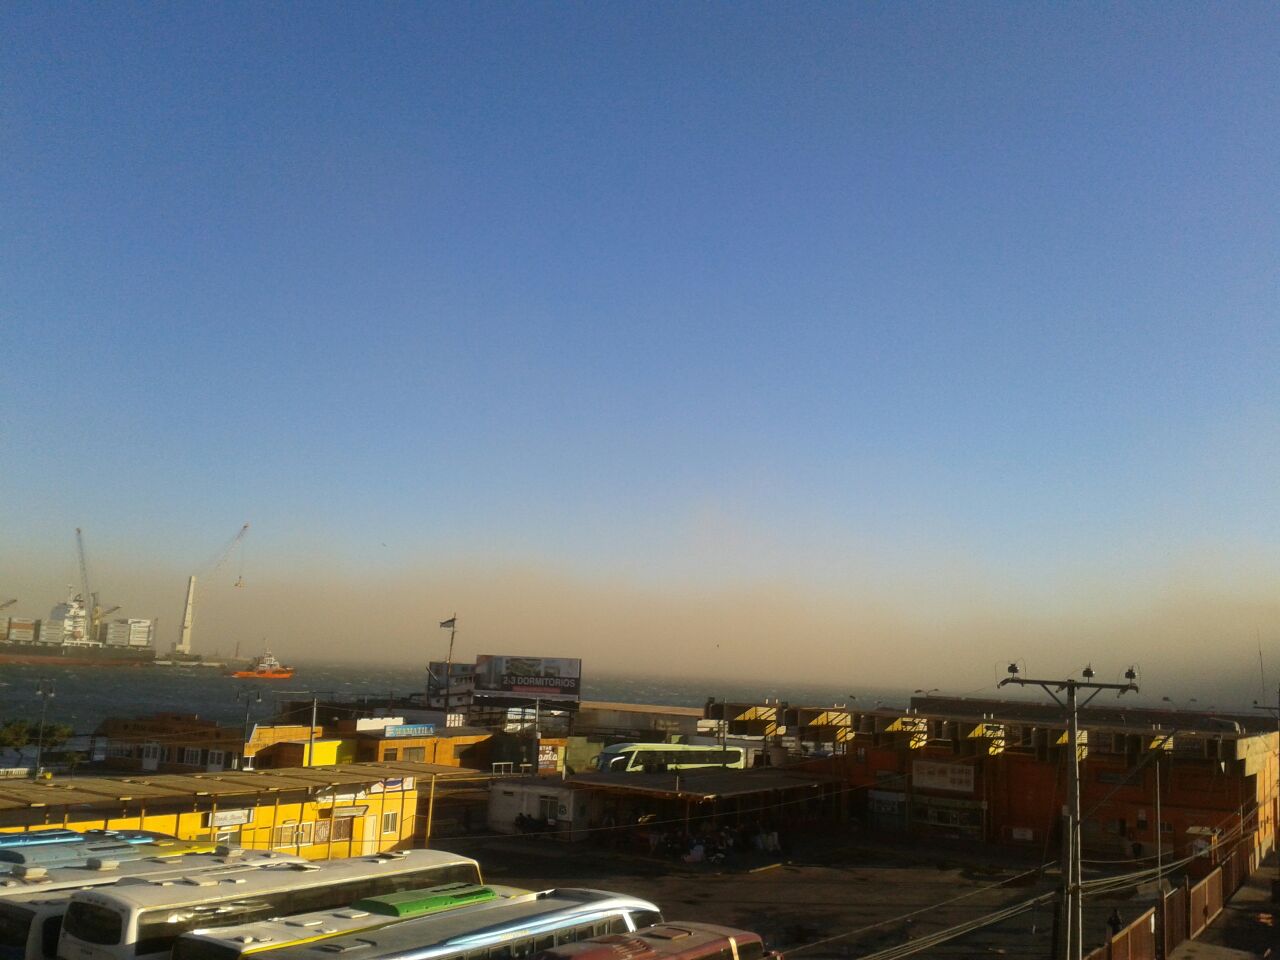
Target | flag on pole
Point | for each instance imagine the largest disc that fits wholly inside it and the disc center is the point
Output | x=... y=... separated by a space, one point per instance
x=450 y=623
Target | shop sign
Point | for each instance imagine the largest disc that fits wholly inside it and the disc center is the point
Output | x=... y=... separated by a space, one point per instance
x=952 y=777
x=230 y=818
x=409 y=730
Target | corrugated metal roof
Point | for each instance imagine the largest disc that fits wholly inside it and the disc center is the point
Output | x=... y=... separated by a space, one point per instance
x=151 y=787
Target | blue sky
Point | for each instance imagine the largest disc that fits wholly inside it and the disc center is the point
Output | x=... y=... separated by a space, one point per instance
x=658 y=293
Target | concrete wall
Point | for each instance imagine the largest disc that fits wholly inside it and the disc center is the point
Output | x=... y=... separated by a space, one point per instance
x=570 y=808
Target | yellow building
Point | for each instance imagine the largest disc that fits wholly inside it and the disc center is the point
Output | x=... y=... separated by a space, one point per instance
x=318 y=812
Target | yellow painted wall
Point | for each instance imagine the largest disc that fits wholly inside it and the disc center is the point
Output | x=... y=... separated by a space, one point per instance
x=300 y=820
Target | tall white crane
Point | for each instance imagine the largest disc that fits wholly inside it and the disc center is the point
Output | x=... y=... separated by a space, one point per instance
x=183 y=644
x=90 y=598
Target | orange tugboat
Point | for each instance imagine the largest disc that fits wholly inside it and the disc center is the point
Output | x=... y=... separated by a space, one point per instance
x=266 y=667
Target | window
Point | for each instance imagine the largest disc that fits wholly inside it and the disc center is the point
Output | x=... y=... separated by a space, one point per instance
x=217 y=759
x=303 y=835
x=49 y=937
x=1166 y=826
x=283 y=834
x=191 y=756
x=14 y=923
x=417 y=754
x=390 y=822
x=645 y=918
x=230 y=836
x=342 y=828
x=547 y=807
x=391 y=753
x=750 y=951
x=94 y=924
x=323 y=831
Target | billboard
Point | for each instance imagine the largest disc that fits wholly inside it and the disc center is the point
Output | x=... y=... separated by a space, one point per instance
x=953 y=777
x=548 y=678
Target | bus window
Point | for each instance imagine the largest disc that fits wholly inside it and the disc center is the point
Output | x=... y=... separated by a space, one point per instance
x=544 y=943
x=15 y=924
x=645 y=918
x=49 y=937
x=94 y=924
x=750 y=951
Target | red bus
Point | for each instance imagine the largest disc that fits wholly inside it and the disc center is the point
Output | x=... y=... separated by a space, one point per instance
x=665 y=941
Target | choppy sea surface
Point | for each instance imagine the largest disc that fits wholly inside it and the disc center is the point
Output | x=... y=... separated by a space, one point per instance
x=85 y=695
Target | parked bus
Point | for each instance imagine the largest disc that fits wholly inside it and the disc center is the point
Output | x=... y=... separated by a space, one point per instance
x=61 y=835
x=232 y=943
x=78 y=854
x=665 y=941
x=499 y=930
x=28 y=837
x=657 y=757
x=31 y=918
x=143 y=919
x=100 y=872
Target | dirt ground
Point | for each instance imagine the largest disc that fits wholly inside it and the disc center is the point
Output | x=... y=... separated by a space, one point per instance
x=869 y=897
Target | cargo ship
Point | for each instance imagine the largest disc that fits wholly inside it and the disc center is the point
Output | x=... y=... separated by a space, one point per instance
x=67 y=637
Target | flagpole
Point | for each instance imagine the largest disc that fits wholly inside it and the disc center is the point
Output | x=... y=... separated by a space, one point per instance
x=448 y=667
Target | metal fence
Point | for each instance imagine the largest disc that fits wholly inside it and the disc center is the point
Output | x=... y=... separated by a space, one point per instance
x=1173 y=913
x=1204 y=903
x=1136 y=941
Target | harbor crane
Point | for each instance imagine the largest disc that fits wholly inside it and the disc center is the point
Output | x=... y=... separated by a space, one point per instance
x=182 y=646
x=96 y=613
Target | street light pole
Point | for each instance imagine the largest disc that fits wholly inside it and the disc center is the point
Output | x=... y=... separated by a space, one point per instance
x=1275 y=809
x=250 y=697
x=1072 y=891
x=44 y=690
x=452 y=626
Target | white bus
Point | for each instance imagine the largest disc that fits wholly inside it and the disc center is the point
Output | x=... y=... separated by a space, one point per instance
x=143 y=919
x=507 y=929
x=57 y=854
x=104 y=871
x=234 y=943
x=31 y=917
x=658 y=757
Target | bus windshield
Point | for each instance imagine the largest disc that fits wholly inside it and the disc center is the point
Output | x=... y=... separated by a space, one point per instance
x=94 y=924
x=15 y=925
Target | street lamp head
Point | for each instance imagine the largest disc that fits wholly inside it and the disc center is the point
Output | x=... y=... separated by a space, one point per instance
x=1013 y=669
x=1131 y=674
x=1087 y=672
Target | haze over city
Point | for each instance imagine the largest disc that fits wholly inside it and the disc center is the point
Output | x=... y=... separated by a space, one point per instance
x=878 y=342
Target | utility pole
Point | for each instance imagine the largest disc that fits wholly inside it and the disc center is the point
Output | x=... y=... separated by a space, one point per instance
x=44 y=690
x=1275 y=809
x=452 y=626
x=311 y=740
x=1072 y=926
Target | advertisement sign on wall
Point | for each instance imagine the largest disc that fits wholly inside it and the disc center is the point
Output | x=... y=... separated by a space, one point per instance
x=953 y=777
x=551 y=678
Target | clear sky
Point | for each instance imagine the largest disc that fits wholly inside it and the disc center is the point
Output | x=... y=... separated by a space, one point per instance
x=682 y=324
